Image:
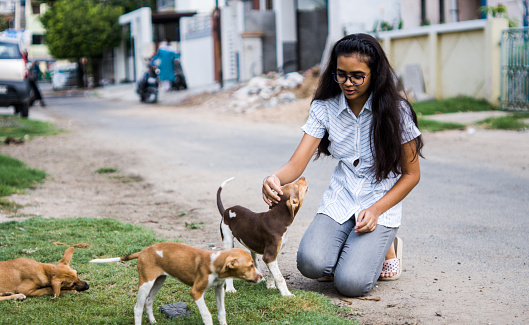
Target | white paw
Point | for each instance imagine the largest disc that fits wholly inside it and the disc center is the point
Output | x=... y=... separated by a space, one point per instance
x=20 y=296
x=231 y=290
x=270 y=285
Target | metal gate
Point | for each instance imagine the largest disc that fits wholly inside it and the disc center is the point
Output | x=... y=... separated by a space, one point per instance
x=514 y=92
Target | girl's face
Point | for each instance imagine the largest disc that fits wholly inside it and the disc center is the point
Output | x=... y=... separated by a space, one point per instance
x=357 y=72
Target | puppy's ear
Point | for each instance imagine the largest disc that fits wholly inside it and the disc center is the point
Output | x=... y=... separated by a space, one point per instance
x=293 y=205
x=231 y=263
x=65 y=260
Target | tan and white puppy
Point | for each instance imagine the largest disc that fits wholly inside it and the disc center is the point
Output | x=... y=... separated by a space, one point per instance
x=198 y=268
x=263 y=233
x=22 y=277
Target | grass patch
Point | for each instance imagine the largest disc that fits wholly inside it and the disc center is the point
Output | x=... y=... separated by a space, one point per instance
x=113 y=287
x=15 y=177
x=452 y=105
x=107 y=170
x=514 y=121
x=194 y=225
x=12 y=126
x=436 y=126
x=120 y=178
x=9 y=206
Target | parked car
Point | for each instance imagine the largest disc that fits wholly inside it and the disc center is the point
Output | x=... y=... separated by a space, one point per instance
x=64 y=76
x=14 y=84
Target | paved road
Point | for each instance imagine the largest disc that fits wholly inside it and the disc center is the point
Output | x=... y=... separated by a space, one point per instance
x=465 y=225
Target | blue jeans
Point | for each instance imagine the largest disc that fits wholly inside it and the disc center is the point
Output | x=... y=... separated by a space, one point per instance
x=355 y=258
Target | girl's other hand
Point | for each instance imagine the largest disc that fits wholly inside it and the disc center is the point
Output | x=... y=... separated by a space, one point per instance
x=366 y=221
x=271 y=190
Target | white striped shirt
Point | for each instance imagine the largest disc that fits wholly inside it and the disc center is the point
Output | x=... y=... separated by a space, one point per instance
x=353 y=188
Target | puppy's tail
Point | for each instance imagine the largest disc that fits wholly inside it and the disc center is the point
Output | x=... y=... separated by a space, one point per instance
x=116 y=259
x=219 y=201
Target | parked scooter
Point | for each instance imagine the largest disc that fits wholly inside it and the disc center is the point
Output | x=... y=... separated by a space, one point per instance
x=147 y=86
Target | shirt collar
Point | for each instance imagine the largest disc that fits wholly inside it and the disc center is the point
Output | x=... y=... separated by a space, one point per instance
x=344 y=106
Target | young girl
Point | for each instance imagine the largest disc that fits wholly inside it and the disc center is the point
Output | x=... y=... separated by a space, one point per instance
x=358 y=117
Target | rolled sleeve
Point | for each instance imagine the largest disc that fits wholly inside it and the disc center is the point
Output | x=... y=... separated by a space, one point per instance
x=316 y=122
x=409 y=130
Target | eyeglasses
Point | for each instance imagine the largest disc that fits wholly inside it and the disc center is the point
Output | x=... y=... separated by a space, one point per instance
x=356 y=80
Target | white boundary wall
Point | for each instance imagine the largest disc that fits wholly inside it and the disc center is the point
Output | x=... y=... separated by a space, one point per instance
x=456 y=59
x=196 y=44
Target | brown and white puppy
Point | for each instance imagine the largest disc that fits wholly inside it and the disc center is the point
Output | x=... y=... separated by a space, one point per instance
x=22 y=277
x=195 y=267
x=263 y=233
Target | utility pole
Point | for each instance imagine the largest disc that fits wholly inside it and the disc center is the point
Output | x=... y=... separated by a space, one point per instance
x=217 y=45
x=16 y=4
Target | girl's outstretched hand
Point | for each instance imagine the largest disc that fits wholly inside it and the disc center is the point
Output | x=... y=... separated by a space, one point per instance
x=271 y=190
x=366 y=221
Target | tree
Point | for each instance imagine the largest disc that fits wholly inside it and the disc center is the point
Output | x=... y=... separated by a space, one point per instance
x=4 y=23
x=79 y=29
x=131 y=5
x=127 y=5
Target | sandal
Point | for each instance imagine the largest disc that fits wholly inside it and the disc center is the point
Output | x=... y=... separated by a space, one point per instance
x=326 y=278
x=393 y=265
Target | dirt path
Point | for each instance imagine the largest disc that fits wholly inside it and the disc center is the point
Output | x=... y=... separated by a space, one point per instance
x=144 y=197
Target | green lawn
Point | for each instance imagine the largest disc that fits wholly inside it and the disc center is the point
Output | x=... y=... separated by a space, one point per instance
x=113 y=287
x=513 y=121
x=16 y=127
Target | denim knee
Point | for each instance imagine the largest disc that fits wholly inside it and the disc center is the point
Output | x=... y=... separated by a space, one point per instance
x=310 y=265
x=353 y=285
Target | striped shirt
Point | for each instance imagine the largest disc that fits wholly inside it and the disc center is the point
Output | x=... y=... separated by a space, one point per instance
x=353 y=188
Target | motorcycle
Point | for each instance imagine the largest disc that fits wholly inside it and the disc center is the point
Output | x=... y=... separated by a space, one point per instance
x=147 y=86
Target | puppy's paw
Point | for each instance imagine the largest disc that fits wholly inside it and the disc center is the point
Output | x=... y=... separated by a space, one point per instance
x=270 y=284
x=20 y=296
x=230 y=289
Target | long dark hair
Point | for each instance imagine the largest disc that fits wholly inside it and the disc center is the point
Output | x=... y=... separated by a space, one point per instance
x=386 y=102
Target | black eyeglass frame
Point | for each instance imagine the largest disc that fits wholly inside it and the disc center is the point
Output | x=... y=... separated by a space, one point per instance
x=350 y=78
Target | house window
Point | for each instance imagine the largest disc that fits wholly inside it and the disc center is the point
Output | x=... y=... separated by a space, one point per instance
x=442 y=18
x=424 y=19
x=35 y=8
x=37 y=39
x=166 y=4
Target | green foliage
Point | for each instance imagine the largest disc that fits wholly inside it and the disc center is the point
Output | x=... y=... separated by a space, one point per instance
x=81 y=28
x=12 y=126
x=113 y=286
x=452 y=105
x=499 y=11
x=9 y=206
x=514 y=121
x=4 y=24
x=131 y=5
x=15 y=176
x=194 y=225
x=436 y=126
x=127 y=5
x=382 y=25
x=106 y=170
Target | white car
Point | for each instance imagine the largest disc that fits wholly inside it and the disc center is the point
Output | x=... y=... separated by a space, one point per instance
x=64 y=76
x=14 y=85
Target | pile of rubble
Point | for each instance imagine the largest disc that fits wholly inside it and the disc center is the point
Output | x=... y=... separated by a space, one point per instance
x=266 y=92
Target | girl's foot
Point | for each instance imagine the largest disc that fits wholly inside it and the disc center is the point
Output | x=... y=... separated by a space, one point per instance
x=392 y=267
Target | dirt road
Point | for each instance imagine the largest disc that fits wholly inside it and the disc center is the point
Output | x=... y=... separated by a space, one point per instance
x=445 y=279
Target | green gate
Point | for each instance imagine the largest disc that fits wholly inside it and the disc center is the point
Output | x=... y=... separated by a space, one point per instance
x=514 y=93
